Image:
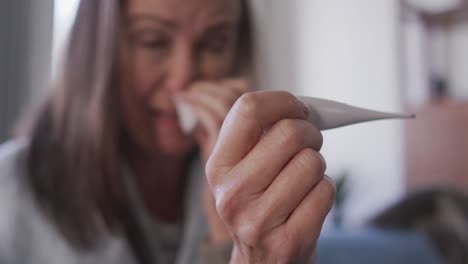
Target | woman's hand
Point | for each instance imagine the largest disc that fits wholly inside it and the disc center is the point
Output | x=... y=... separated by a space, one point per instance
x=267 y=177
x=212 y=102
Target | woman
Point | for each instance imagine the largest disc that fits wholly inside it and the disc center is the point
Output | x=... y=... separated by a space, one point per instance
x=107 y=176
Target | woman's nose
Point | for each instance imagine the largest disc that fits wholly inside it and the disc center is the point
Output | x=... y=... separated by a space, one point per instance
x=182 y=70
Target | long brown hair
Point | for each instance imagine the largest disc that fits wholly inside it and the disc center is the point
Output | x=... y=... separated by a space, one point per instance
x=75 y=154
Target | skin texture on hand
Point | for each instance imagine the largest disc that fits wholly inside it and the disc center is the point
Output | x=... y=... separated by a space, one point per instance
x=267 y=178
x=212 y=102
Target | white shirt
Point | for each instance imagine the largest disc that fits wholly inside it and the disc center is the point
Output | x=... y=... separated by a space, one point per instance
x=28 y=237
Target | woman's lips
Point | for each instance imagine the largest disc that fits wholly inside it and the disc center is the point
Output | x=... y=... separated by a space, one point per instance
x=166 y=119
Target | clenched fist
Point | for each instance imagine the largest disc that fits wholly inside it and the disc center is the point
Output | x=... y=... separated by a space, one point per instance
x=267 y=178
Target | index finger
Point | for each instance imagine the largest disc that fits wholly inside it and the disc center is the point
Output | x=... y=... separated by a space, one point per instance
x=238 y=84
x=245 y=123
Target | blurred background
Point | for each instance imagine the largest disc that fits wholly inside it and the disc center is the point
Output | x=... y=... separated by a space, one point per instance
x=390 y=55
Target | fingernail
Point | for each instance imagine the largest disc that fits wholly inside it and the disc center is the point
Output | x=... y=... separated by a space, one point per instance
x=324 y=163
x=331 y=181
x=305 y=108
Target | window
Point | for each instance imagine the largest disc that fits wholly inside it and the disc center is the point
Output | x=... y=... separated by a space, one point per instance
x=64 y=14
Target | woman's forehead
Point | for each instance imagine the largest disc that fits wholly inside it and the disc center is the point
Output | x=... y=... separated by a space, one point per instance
x=186 y=12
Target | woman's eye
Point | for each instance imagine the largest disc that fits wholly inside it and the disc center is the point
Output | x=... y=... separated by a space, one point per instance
x=216 y=45
x=154 y=44
x=149 y=40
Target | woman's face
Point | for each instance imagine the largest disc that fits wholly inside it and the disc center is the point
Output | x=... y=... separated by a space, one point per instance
x=164 y=46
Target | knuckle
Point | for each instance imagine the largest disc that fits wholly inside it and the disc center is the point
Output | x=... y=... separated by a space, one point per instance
x=228 y=203
x=315 y=136
x=214 y=172
x=225 y=206
x=242 y=218
x=200 y=85
x=250 y=233
x=328 y=188
x=319 y=140
x=287 y=95
x=244 y=85
x=196 y=86
x=245 y=224
x=211 y=172
x=312 y=161
x=290 y=133
x=241 y=84
x=247 y=104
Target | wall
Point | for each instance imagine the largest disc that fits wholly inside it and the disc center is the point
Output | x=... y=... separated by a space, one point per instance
x=416 y=61
x=26 y=34
x=458 y=60
x=348 y=51
x=275 y=58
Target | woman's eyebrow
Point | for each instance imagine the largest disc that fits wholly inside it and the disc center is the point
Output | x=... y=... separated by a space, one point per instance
x=152 y=18
x=224 y=25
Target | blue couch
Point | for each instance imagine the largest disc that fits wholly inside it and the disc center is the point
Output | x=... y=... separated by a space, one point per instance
x=374 y=246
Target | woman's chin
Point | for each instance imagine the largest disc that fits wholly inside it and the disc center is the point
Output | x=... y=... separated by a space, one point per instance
x=174 y=146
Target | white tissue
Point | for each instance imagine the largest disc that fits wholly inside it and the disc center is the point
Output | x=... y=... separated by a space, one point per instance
x=187 y=118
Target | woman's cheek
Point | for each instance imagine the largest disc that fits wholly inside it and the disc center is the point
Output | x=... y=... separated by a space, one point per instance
x=145 y=80
x=214 y=65
x=135 y=119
